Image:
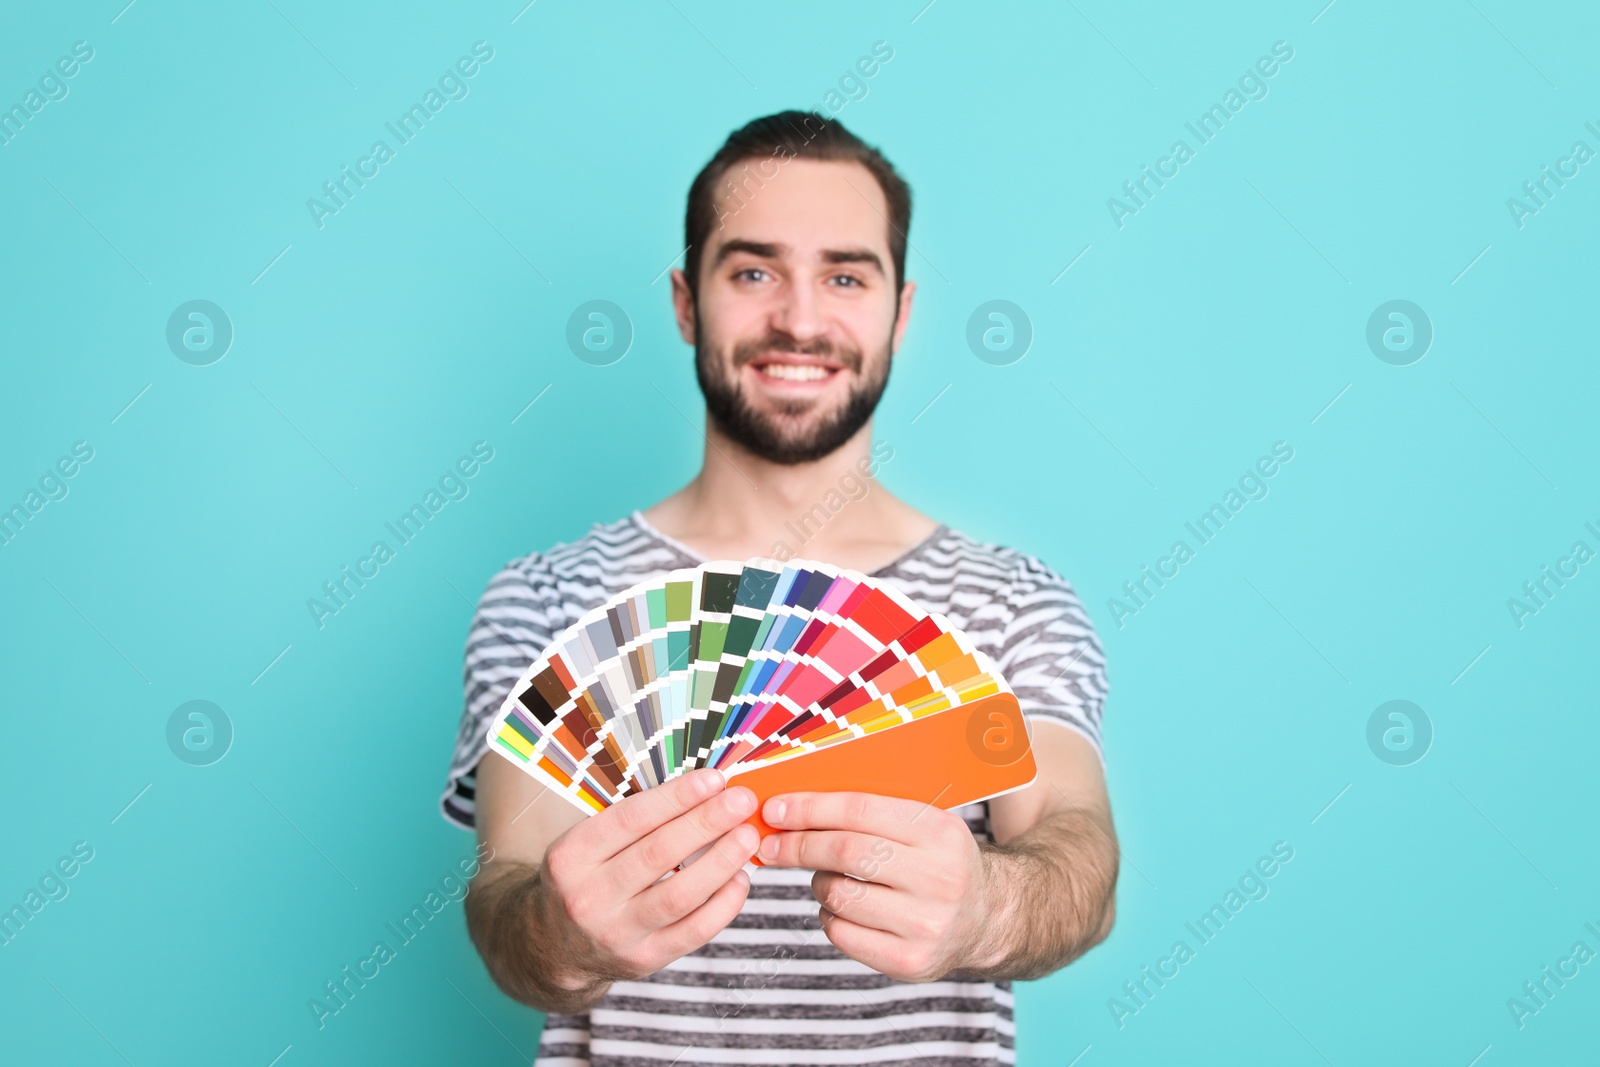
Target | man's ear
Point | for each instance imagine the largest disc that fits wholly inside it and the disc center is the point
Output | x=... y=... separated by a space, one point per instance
x=903 y=317
x=683 y=306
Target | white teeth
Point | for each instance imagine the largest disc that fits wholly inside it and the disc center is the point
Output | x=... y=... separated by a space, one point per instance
x=791 y=372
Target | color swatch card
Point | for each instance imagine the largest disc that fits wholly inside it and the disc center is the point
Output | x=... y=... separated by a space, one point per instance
x=786 y=676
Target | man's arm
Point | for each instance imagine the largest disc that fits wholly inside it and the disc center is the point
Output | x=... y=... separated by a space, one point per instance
x=1053 y=868
x=908 y=891
x=568 y=903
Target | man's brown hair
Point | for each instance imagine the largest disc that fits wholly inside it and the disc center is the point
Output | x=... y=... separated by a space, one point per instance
x=774 y=140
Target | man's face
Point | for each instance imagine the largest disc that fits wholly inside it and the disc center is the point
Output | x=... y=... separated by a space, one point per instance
x=796 y=318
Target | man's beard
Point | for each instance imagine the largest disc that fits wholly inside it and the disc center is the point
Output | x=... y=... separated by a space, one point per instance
x=762 y=434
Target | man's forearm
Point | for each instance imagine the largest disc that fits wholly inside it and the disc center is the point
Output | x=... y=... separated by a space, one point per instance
x=509 y=920
x=1051 y=895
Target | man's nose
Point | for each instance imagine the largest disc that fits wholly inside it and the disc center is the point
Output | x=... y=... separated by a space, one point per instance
x=798 y=315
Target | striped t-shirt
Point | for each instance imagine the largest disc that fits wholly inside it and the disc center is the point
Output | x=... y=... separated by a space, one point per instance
x=771 y=988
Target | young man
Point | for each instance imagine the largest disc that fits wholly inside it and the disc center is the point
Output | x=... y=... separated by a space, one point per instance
x=903 y=942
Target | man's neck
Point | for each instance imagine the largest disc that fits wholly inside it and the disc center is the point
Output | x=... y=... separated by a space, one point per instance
x=832 y=510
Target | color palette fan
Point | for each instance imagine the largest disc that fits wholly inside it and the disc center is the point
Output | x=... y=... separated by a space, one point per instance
x=786 y=676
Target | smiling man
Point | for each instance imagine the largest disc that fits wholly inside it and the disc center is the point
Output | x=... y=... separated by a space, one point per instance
x=879 y=930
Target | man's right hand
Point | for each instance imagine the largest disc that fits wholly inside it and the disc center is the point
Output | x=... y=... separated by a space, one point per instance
x=605 y=902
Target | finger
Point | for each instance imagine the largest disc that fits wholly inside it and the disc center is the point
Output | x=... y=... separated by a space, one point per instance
x=906 y=821
x=883 y=952
x=705 y=922
x=643 y=863
x=865 y=856
x=864 y=903
x=669 y=901
x=614 y=829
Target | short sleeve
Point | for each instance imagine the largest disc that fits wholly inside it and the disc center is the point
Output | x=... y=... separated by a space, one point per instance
x=516 y=619
x=1049 y=653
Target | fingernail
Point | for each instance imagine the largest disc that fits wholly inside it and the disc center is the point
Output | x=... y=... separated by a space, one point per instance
x=744 y=837
x=769 y=847
x=775 y=811
x=740 y=801
x=710 y=782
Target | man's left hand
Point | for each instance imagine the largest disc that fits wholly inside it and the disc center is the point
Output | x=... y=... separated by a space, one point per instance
x=903 y=885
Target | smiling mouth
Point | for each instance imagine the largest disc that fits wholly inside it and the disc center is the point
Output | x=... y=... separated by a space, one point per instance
x=791 y=372
x=790 y=367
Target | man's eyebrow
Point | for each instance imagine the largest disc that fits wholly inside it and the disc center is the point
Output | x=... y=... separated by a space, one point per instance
x=763 y=249
x=853 y=255
x=774 y=249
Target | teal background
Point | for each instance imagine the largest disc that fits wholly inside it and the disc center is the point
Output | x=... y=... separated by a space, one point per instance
x=426 y=315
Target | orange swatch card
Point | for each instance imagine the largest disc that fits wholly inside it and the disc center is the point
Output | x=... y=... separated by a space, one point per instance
x=964 y=754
